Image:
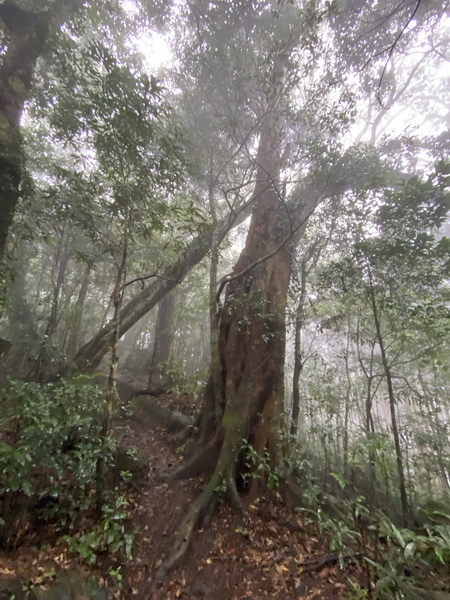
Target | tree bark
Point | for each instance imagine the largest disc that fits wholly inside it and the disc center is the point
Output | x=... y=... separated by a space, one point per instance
x=59 y=269
x=213 y=398
x=391 y=395
x=60 y=266
x=298 y=362
x=111 y=395
x=251 y=344
x=252 y=322
x=78 y=313
x=308 y=263
x=27 y=34
x=22 y=323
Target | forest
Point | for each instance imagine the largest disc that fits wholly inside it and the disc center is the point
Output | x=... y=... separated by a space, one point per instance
x=224 y=299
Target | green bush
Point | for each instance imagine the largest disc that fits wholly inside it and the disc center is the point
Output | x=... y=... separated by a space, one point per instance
x=109 y=534
x=49 y=445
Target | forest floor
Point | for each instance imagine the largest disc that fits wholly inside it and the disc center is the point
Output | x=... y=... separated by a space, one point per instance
x=274 y=551
x=233 y=558
x=270 y=553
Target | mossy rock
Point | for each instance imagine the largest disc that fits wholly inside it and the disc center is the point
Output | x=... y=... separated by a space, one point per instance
x=146 y=409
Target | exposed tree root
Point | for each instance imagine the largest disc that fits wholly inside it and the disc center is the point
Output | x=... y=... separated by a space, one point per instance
x=193 y=517
x=233 y=496
x=318 y=563
x=209 y=512
x=202 y=462
x=223 y=456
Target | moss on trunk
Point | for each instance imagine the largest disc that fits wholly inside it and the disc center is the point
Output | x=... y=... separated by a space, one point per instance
x=251 y=347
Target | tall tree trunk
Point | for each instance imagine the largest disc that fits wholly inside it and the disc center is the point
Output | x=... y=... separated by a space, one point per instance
x=391 y=395
x=251 y=341
x=162 y=344
x=215 y=362
x=348 y=395
x=78 y=314
x=308 y=263
x=369 y=426
x=59 y=268
x=252 y=324
x=111 y=391
x=61 y=260
x=213 y=395
x=27 y=35
x=298 y=362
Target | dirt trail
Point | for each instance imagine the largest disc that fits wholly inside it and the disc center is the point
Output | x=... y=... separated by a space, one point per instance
x=232 y=558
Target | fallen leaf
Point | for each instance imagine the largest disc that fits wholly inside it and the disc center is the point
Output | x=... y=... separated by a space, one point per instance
x=281 y=569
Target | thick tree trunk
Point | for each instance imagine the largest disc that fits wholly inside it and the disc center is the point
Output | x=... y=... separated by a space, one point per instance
x=27 y=35
x=251 y=345
x=252 y=322
x=22 y=323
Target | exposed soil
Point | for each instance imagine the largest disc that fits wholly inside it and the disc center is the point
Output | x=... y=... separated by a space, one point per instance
x=232 y=558
x=271 y=553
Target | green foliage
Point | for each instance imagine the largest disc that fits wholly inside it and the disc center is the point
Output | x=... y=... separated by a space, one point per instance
x=340 y=535
x=260 y=467
x=356 y=592
x=48 y=456
x=404 y=551
x=396 y=557
x=122 y=113
x=116 y=575
x=175 y=377
x=51 y=432
x=386 y=286
x=418 y=205
x=109 y=534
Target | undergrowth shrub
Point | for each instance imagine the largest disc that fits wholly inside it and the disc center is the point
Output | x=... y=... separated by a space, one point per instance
x=49 y=446
x=396 y=561
x=174 y=377
x=108 y=534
